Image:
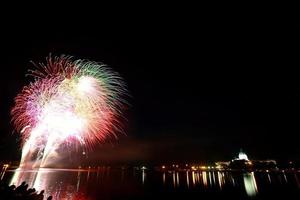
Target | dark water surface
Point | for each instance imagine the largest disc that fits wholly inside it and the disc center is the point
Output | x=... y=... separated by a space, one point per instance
x=108 y=183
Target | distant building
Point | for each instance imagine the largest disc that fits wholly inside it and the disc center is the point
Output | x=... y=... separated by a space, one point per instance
x=243 y=162
x=242 y=156
x=239 y=162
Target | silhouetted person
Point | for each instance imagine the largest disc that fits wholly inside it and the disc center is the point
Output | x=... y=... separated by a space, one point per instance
x=21 y=192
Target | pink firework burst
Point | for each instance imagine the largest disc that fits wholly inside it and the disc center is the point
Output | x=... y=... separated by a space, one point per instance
x=69 y=100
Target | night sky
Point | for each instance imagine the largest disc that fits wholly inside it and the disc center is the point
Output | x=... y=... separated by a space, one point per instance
x=201 y=87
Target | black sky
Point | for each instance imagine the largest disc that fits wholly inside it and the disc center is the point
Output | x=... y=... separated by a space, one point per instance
x=202 y=86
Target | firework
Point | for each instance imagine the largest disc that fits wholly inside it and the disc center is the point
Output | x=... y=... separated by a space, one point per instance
x=69 y=101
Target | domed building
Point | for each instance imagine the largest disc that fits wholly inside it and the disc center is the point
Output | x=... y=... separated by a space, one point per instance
x=241 y=162
x=243 y=156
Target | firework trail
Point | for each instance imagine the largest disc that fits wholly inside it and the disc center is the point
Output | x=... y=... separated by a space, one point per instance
x=69 y=101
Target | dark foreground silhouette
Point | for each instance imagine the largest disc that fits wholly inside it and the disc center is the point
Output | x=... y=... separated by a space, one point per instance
x=22 y=192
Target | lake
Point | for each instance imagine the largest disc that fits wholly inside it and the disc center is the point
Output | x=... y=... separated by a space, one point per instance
x=108 y=183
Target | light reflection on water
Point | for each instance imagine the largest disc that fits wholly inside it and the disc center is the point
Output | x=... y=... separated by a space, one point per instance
x=187 y=179
x=250 y=184
x=88 y=184
x=143 y=176
x=246 y=181
x=54 y=182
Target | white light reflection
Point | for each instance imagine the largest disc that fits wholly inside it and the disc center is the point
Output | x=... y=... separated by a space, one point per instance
x=197 y=177
x=284 y=176
x=233 y=182
x=174 y=181
x=187 y=179
x=193 y=178
x=214 y=178
x=224 y=179
x=3 y=170
x=220 y=180
x=143 y=176
x=209 y=178
x=250 y=184
x=204 y=178
x=269 y=177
